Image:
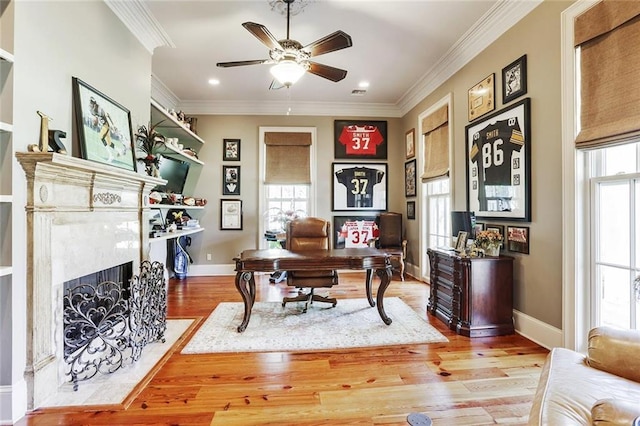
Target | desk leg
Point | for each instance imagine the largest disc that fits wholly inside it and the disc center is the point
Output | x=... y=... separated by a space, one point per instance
x=385 y=279
x=368 y=285
x=246 y=285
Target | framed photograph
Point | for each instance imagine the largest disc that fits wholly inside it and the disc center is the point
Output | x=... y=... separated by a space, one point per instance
x=514 y=79
x=518 y=239
x=461 y=241
x=360 y=140
x=358 y=186
x=411 y=210
x=231 y=180
x=410 y=143
x=410 y=178
x=353 y=231
x=496 y=228
x=231 y=150
x=481 y=98
x=104 y=127
x=499 y=164
x=231 y=215
x=477 y=228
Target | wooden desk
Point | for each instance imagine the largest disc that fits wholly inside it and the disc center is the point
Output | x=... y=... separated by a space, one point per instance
x=271 y=260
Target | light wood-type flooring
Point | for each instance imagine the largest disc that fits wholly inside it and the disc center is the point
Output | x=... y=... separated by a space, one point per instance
x=464 y=382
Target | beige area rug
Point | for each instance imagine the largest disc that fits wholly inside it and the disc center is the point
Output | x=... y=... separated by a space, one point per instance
x=272 y=328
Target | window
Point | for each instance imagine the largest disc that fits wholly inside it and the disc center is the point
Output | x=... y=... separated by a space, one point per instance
x=438 y=202
x=615 y=235
x=286 y=191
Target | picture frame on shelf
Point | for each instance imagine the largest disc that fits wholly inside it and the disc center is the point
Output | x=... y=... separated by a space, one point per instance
x=230 y=180
x=481 y=97
x=230 y=215
x=461 y=241
x=360 y=139
x=359 y=186
x=500 y=190
x=231 y=150
x=514 y=79
x=410 y=143
x=104 y=127
x=411 y=210
x=518 y=239
x=353 y=231
x=410 y=179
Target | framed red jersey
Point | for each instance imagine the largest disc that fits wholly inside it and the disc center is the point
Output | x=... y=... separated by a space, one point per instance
x=360 y=139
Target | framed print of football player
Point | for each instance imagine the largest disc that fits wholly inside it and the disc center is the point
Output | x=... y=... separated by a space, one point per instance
x=359 y=186
x=498 y=152
x=360 y=139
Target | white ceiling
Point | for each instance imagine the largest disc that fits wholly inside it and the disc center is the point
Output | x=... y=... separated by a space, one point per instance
x=400 y=47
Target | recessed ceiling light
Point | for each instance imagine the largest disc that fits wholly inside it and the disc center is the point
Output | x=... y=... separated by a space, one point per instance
x=214 y=81
x=363 y=84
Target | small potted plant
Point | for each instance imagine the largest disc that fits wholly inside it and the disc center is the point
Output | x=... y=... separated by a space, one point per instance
x=489 y=241
x=149 y=140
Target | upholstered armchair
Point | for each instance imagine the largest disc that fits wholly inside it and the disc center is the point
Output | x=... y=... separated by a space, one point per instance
x=306 y=234
x=390 y=238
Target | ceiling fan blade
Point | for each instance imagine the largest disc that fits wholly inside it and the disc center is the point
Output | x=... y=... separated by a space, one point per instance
x=331 y=43
x=241 y=63
x=325 y=71
x=262 y=33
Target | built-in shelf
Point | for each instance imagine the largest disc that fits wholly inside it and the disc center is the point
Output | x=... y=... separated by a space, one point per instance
x=5 y=127
x=177 y=234
x=172 y=152
x=170 y=127
x=175 y=206
x=5 y=271
x=6 y=56
x=6 y=198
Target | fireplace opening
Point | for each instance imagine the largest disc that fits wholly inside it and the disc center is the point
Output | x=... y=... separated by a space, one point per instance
x=108 y=318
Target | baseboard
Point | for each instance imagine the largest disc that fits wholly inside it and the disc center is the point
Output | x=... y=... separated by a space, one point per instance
x=5 y=405
x=10 y=413
x=537 y=331
x=211 y=270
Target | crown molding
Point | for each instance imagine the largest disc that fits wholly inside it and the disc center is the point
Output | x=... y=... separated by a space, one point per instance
x=502 y=16
x=137 y=17
x=290 y=108
x=162 y=94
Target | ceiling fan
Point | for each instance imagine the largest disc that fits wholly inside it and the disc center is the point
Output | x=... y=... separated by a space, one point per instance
x=290 y=58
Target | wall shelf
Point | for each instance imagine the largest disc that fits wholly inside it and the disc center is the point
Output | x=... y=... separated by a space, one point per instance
x=6 y=127
x=6 y=198
x=172 y=152
x=5 y=271
x=171 y=128
x=176 y=234
x=6 y=56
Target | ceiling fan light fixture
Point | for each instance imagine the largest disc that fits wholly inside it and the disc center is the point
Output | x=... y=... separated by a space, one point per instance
x=287 y=72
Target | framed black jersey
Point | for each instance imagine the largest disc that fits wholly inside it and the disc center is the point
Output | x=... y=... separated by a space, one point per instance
x=360 y=140
x=359 y=187
x=498 y=152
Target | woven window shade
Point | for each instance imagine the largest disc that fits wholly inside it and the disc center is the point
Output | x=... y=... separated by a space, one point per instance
x=608 y=35
x=288 y=157
x=435 y=127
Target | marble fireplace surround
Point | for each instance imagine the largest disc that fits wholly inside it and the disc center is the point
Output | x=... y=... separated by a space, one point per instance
x=82 y=217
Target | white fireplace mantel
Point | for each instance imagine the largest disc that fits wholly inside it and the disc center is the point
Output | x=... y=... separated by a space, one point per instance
x=82 y=217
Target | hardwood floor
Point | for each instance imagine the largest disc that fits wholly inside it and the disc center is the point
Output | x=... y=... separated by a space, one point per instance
x=464 y=382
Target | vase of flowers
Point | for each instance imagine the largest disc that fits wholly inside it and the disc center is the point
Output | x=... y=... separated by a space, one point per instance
x=489 y=241
x=149 y=141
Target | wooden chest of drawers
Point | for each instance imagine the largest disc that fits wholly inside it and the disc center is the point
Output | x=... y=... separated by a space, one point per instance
x=473 y=296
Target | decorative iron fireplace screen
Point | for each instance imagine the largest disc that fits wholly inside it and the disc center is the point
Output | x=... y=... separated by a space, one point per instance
x=109 y=318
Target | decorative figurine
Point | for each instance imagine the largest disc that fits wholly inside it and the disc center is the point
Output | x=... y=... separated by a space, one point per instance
x=54 y=141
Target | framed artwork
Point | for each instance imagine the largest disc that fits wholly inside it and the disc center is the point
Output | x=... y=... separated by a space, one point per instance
x=481 y=98
x=231 y=180
x=231 y=215
x=104 y=127
x=499 y=164
x=461 y=241
x=518 y=239
x=353 y=231
x=410 y=178
x=360 y=139
x=231 y=150
x=410 y=143
x=411 y=210
x=479 y=226
x=358 y=186
x=514 y=79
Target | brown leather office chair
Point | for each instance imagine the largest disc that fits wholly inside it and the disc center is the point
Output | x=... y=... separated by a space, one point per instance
x=309 y=233
x=390 y=238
